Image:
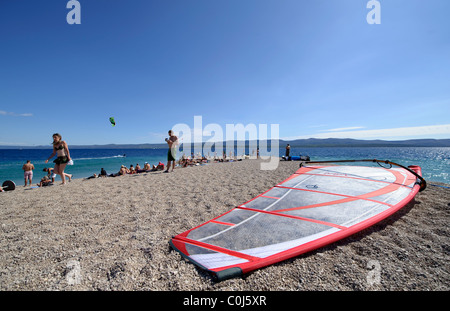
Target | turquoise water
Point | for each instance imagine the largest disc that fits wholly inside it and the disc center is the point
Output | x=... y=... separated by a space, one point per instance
x=86 y=161
x=435 y=162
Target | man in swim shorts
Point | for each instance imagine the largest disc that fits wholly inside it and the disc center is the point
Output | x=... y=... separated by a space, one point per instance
x=28 y=172
x=172 y=141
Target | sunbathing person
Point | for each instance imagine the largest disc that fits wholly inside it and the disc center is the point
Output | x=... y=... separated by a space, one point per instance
x=147 y=168
x=159 y=167
x=103 y=173
x=184 y=162
x=123 y=170
x=50 y=174
x=93 y=176
x=45 y=181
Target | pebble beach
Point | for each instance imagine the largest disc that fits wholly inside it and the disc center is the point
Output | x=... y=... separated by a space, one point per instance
x=112 y=234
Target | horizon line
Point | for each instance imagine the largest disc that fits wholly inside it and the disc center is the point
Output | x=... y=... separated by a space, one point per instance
x=245 y=141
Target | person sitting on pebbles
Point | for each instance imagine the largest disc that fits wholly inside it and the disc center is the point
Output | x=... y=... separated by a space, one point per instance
x=45 y=181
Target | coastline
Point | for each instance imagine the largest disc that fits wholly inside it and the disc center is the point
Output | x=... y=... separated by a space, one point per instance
x=434 y=161
x=115 y=231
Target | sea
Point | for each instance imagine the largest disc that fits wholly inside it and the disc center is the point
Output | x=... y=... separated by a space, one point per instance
x=435 y=162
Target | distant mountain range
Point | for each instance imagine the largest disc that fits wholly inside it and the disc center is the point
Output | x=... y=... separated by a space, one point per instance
x=311 y=142
x=348 y=142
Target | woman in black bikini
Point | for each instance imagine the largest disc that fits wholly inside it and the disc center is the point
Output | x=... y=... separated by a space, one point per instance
x=61 y=149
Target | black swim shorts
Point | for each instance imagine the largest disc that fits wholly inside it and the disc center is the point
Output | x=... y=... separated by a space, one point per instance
x=171 y=154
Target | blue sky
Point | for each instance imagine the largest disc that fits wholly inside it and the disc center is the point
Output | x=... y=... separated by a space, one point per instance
x=315 y=67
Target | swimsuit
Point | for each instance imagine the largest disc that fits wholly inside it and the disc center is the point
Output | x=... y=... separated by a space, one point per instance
x=61 y=160
x=28 y=174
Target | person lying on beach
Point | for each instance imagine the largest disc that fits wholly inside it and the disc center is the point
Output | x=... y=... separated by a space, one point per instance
x=223 y=159
x=131 y=170
x=50 y=174
x=93 y=176
x=159 y=167
x=184 y=162
x=188 y=161
x=147 y=166
x=45 y=181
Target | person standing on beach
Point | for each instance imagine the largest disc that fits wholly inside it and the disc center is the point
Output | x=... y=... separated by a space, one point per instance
x=61 y=149
x=288 y=150
x=28 y=172
x=172 y=141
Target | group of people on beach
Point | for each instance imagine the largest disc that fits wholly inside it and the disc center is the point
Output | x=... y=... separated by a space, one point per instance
x=61 y=150
x=172 y=141
x=131 y=170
